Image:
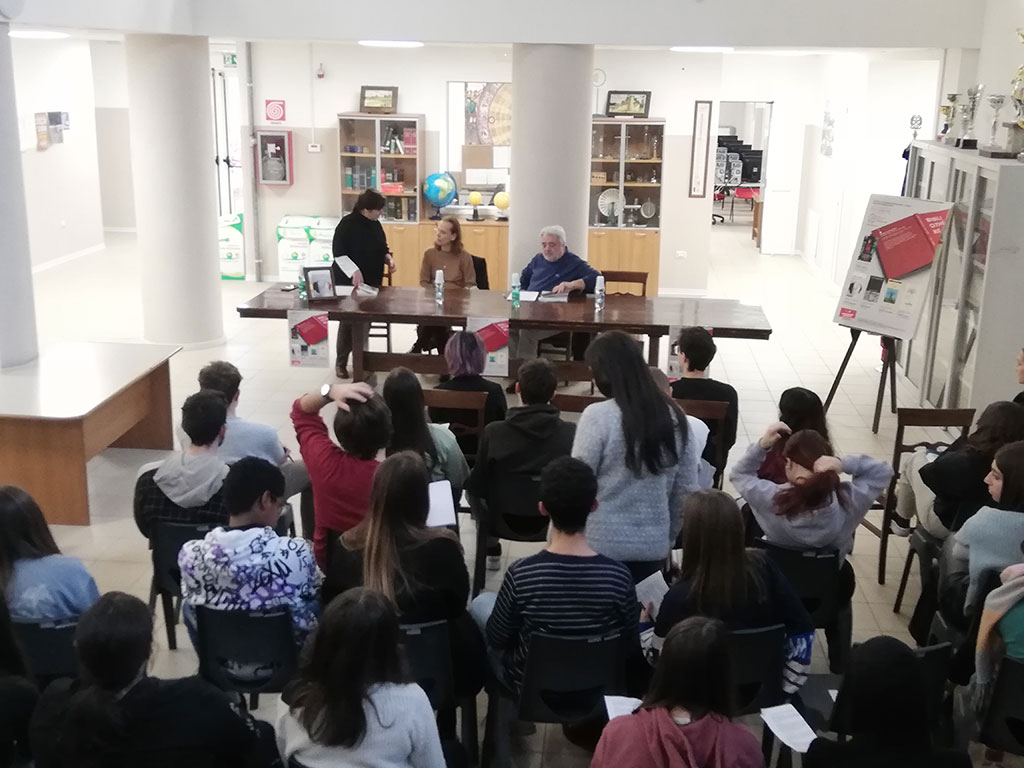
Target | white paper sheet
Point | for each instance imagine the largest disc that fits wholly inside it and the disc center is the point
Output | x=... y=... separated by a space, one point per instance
x=366 y=290
x=343 y=290
x=652 y=590
x=346 y=265
x=833 y=694
x=789 y=726
x=553 y=297
x=442 y=505
x=619 y=706
x=525 y=296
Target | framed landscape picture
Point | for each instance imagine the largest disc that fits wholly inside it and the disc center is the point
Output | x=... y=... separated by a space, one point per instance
x=378 y=99
x=628 y=104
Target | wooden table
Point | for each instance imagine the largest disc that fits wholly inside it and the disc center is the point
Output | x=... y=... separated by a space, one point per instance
x=75 y=400
x=649 y=316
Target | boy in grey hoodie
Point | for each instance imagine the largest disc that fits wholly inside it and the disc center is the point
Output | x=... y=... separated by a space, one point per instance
x=186 y=487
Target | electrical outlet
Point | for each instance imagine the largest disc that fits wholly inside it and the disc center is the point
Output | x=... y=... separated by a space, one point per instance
x=680 y=254
x=312 y=147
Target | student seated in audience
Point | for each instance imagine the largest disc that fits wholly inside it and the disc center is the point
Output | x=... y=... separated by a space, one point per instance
x=466 y=358
x=799 y=409
x=341 y=476
x=186 y=487
x=38 y=582
x=351 y=702
x=422 y=570
x=886 y=694
x=990 y=540
x=115 y=715
x=684 y=719
x=18 y=695
x=639 y=444
x=945 y=490
x=412 y=432
x=566 y=589
x=813 y=509
x=742 y=587
x=698 y=429
x=529 y=439
x=249 y=438
x=246 y=566
x=696 y=351
x=1019 y=399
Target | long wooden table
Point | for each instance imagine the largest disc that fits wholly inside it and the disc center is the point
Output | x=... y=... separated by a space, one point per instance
x=76 y=399
x=649 y=316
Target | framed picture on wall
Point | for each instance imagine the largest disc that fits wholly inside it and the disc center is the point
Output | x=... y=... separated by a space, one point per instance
x=628 y=104
x=700 y=149
x=378 y=99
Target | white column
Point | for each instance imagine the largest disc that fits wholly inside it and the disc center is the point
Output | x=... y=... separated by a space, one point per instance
x=552 y=101
x=171 y=129
x=18 y=342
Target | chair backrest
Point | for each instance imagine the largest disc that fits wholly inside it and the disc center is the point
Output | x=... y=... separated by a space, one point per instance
x=48 y=648
x=814 y=575
x=1003 y=725
x=512 y=507
x=167 y=541
x=624 y=276
x=428 y=649
x=233 y=644
x=710 y=411
x=567 y=678
x=574 y=403
x=472 y=405
x=758 y=656
x=480 y=267
x=946 y=418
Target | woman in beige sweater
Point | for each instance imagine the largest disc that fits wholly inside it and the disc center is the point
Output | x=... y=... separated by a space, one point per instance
x=456 y=263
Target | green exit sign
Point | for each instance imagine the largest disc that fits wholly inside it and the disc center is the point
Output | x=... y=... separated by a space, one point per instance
x=230 y=59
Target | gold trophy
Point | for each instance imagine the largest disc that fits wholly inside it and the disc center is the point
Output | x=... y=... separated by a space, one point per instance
x=951 y=135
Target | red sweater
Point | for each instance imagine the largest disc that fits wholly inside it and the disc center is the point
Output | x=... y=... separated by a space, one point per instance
x=341 y=482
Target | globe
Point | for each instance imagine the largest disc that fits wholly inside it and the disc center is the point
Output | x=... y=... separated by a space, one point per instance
x=440 y=189
x=475 y=198
x=500 y=201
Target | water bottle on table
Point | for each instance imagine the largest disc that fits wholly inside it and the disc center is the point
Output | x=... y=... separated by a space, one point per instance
x=599 y=294
x=439 y=286
x=515 y=290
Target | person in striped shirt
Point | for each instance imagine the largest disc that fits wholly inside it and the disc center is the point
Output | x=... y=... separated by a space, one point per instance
x=566 y=589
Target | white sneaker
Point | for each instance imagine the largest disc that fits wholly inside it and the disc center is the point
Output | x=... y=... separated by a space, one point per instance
x=896 y=528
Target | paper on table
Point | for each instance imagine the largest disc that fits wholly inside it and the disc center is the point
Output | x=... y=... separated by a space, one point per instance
x=553 y=297
x=366 y=290
x=343 y=290
x=618 y=706
x=442 y=505
x=789 y=726
x=525 y=296
x=346 y=265
x=652 y=591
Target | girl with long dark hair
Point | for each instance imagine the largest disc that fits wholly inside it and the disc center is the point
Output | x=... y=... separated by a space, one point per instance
x=38 y=582
x=799 y=409
x=352 y=702
x=684 y=719
x=116 y=716
x=639 y=445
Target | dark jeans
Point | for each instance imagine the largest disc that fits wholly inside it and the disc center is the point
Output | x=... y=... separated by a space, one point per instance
x=345 y=331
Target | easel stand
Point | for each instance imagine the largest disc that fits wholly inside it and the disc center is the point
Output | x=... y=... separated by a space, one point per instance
x=888 y=367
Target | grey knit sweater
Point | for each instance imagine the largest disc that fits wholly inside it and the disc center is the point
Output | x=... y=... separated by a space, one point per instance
x=637 y=518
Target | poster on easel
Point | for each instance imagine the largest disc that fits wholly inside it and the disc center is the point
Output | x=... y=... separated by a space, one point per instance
x=307 y=338
x=887 y=282
x=493 y=332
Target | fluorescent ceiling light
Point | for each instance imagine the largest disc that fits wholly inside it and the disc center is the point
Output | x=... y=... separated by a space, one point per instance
x=701 y=49
x=391 y=43
x=37 y=34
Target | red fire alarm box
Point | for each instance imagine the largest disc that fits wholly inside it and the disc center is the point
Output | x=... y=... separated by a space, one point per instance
x=274 y=165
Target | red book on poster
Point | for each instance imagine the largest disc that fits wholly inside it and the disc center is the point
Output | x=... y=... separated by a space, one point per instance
x=909 y=244
x=494 y=336
x=313 y=330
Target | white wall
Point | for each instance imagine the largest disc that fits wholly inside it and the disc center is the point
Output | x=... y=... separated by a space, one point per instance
x=117 y=195
x=62 y=189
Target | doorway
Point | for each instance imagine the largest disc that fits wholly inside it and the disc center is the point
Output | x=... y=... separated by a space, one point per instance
x=741 y=169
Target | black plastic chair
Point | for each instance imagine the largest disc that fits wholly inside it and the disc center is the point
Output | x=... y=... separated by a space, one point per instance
x=428 y=649
x=510 y=513
x=254 y=639
x=565 y=681
x=48 y=648
x=927 y=548
x=1003 y=725
x=758 y=657
x=167 y=541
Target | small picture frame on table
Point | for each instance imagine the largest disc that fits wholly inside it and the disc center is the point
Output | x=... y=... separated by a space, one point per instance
x=319 y=283
x=628 y=104
x=378 y=99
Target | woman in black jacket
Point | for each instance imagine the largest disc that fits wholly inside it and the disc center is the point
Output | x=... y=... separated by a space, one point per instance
x=361 y=237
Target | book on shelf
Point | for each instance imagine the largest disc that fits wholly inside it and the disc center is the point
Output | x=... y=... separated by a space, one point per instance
x=409 y=140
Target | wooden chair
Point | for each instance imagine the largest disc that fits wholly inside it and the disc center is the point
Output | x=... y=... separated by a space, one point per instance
x=711 y=411
x=574 y=403
x=944 y=418
x=623 y=276
x=446 y=400
x=382 y=330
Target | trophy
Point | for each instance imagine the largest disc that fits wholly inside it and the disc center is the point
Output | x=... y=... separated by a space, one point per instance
x=950 y=137
x=996 y=101
x=947 y=116
x=965 y=118
x=1016 y=129
x=916 y=121
x=974 y=94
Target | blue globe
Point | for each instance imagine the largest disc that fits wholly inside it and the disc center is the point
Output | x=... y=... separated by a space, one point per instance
x=440 y=189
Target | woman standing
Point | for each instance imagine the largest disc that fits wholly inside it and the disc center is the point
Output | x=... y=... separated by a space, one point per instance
x=456 y=263
x=639 y=445
x=360 y=237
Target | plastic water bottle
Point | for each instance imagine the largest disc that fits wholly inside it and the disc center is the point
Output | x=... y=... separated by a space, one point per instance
x=439 y=286
x=303 y=291
x=599 y=294
x=515 y=290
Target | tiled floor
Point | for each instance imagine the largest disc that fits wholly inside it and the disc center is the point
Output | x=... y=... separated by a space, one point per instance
x=98 y=292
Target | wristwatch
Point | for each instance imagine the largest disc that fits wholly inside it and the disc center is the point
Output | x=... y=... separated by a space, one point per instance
x=325 y=393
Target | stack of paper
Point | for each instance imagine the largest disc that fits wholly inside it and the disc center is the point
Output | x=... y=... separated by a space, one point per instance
x=789 y=726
